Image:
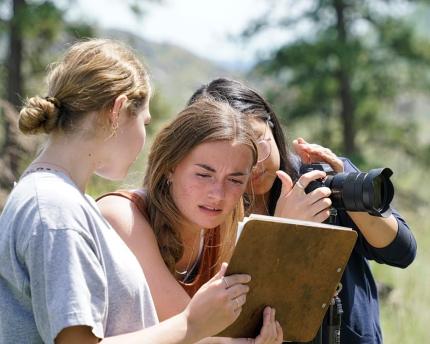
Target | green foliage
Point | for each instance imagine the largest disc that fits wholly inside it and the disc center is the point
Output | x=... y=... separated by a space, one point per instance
x=386 y=60
x=404 y=313
x=356 y=57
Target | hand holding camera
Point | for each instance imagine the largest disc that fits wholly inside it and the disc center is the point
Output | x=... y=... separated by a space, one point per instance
x=324 y=186
x=294 y=203
x=370 y=192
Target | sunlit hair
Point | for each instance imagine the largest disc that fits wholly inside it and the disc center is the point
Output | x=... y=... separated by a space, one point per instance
x=204 y=121
x=88 y=79
x=250 y=103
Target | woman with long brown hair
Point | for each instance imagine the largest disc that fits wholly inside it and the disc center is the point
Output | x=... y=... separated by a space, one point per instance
x=182 y=224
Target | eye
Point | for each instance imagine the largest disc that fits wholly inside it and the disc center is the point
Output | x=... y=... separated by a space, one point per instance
x=203 y=175
x=236 y=181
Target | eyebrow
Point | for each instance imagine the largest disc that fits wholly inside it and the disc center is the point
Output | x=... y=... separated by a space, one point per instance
x=210 y=169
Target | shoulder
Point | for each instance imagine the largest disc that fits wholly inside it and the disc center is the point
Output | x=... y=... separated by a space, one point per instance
x=45 y=204
x=123 y=214
x=53 y=198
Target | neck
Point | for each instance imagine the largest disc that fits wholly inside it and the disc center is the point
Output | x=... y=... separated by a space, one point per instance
x=71 y=155
x=261 y=204
x=191 y=243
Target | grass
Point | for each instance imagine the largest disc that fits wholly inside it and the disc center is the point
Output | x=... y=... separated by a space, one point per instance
x=405 y=315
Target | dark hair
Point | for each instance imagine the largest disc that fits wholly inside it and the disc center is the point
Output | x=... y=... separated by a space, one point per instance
x=249 y=102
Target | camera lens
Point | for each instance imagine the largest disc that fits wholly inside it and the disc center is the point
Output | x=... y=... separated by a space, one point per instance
x=371 y=191
x=377 y=196
x=356 y=191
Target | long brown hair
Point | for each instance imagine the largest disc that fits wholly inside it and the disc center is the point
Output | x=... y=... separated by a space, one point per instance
x=88 y=79
x=203 y=121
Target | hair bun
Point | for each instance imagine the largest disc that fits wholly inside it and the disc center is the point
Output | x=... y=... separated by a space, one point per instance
x=39 y=115
x=54 y=101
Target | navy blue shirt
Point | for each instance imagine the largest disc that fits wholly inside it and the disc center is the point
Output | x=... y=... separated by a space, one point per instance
x=360 y=320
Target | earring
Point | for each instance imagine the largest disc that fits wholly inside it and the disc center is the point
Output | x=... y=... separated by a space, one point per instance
x=114 y=128
x=169 y=179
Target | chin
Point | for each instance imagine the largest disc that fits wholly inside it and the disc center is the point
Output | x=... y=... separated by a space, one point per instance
x=260 y=188
x=211 y=224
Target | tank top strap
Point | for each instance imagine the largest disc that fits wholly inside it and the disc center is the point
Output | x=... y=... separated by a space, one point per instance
x=137 y=197
x=208 y=265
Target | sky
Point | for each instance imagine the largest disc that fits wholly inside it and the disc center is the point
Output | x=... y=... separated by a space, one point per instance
x=205 y=27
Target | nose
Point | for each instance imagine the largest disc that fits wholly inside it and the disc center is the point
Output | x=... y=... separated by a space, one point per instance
x=216 y=191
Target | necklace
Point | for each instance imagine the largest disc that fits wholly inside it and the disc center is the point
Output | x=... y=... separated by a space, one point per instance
x=260 y=206
x=185 y=274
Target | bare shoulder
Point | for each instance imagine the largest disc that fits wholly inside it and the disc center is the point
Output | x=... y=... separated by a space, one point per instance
x=135 y=231
x=123 y=215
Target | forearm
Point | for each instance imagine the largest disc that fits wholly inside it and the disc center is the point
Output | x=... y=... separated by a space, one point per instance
x=172 y=331
x=378 y=232
x=217 y=340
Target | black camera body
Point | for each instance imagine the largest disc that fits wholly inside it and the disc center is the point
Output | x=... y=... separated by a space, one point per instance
x=371 y=191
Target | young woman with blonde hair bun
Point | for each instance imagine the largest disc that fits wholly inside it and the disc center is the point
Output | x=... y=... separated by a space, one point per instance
x=65 y=274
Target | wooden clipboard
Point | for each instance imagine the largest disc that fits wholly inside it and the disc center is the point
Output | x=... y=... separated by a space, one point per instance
x=295 y=267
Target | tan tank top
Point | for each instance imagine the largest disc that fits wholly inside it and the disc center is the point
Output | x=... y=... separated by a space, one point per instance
x=209 y=258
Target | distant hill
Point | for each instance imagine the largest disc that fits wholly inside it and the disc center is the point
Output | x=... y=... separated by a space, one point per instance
x=176 y=72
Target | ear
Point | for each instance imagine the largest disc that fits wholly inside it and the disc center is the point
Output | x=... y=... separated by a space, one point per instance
x=118 y=105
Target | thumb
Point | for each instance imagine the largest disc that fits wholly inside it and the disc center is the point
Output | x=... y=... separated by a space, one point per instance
x=301 y=140
x=220 y=274
x=287 y=183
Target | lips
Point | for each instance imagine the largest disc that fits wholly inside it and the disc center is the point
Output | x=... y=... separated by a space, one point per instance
x=210 y=210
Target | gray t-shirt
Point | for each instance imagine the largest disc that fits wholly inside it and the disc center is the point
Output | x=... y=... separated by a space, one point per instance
x=62 y=265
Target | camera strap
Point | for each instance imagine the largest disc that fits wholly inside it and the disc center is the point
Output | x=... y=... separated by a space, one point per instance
x=335 y=312
x=333 y=215
x=332 y=321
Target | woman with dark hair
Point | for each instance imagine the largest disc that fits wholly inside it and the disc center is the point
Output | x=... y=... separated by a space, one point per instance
x=385 y=240
x=248 y=101
x=265 y=187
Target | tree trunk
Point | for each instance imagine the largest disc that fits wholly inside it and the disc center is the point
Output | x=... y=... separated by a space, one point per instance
x=14 y=147
x=347 y=106
x=14 y=60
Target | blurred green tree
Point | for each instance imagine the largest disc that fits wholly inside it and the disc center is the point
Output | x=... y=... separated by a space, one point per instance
x=346 y=61
x=29 y=30
x=32 y=32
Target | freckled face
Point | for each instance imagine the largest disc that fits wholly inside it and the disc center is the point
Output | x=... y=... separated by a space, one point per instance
x=208 y=183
